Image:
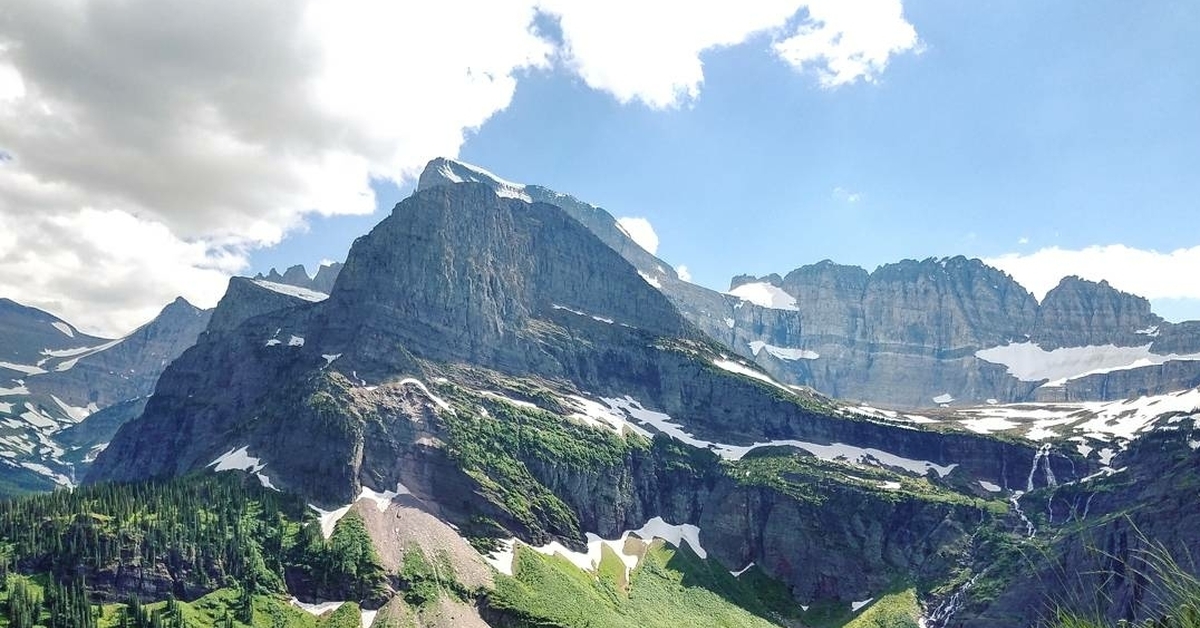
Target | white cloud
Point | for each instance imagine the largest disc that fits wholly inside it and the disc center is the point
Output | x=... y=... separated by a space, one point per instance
x=214 y=128
x=131 y=265
x=845 y=41
x=640 y=231
x=1023 y=240
x=1150 y=274
x=650 y=50
x=219 y=126
x=683 y=272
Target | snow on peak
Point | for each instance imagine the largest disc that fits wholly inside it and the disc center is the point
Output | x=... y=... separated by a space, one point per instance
x=461 y=172
x=766 y=295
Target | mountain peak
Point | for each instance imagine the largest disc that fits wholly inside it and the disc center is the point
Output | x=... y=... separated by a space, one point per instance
x=441 y=171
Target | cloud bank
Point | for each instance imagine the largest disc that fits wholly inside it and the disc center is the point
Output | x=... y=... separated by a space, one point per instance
x=146 y=146
x=1147 y=273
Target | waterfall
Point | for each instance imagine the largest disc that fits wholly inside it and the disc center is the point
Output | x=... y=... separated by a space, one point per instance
x=942 y=615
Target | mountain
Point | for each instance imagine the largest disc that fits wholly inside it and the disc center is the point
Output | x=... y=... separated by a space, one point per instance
x=504 y=413
x=52 y=377
x=912 y=334
x=493 y=367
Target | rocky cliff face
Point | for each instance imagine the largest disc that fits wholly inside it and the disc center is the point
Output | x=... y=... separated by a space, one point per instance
x=1079 y=313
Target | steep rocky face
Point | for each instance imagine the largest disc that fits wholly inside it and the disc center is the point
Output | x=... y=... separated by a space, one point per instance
x=1079 y=312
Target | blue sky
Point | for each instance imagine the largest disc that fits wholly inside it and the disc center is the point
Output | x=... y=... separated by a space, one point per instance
x=1020 y=126
x=1047 y=138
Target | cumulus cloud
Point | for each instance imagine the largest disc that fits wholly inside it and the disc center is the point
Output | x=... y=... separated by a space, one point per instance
x=683 y=272
x=214 y=128
x=845 y=41
x=649 y=50
x=133 y=266
x=640 y=231
x=1150 y=274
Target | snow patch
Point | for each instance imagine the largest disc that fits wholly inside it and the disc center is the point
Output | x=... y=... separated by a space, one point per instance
x=651 y=280
x=237 y=460
x=42 y=469
x=729 y=322
x=673 y=534
x=835 y=451
x=502 y=558
x=783 y=353
x=329 y=518
x=273 y=342
x=765 y=295
x=742 y=369
x=23 y=368
x=944 y=398
x=317 y=609
x=604 y=416
x=989 y=487
x=77 y=413
x=64 y=328
x=409 y=381
x=296 y=341
x=10 y=392
x=368 y=618
x=738 y=573
x=330 y=357
x=312 y=296
x=855 y=606
x=1029 y=362
x=384 y=499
